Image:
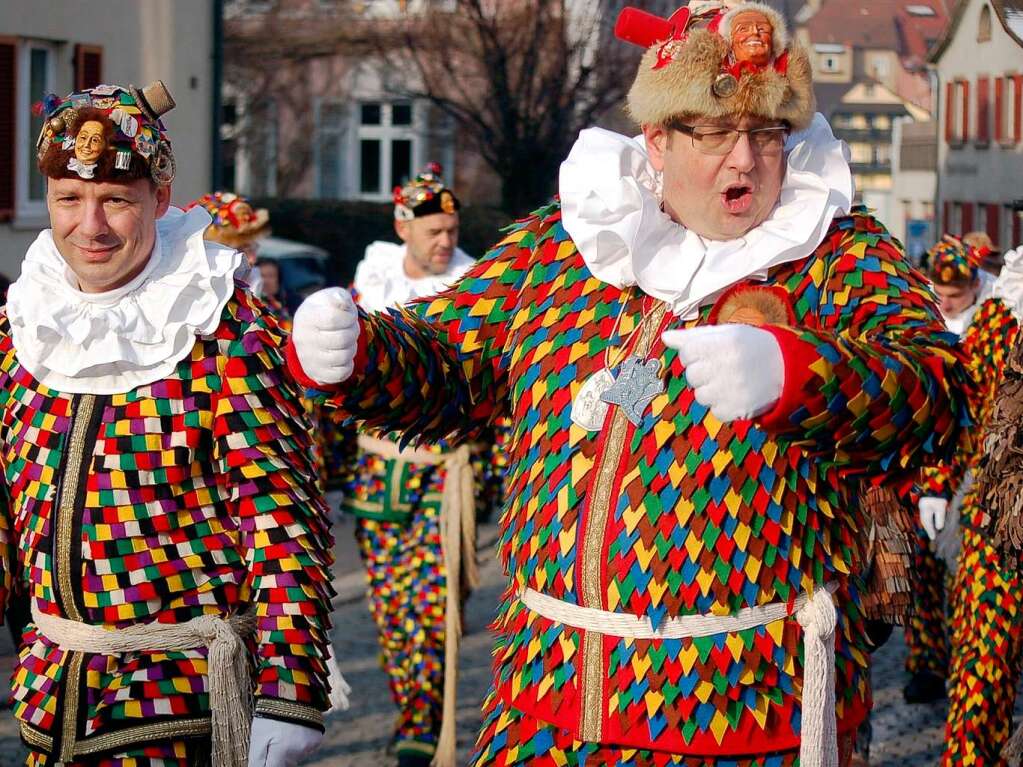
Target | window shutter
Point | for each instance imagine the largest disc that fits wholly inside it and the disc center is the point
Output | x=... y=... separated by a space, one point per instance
x=983 y=98
x=88 y=66
x=991 y=223
x=8 y=80
x=967 y=215
x=999 y=108
x=950 y=91
x=965 y=106
x=1017 y=106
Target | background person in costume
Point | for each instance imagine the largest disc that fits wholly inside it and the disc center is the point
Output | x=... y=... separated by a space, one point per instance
x=952 y=268
x=398 y=496
x=699 y=343
x=985 y=625
x=240 y=226
x=173 y=553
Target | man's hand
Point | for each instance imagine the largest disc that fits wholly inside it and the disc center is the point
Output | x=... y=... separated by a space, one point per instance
x=326 y=335
x=735 y=370
x=932 y=515
x=280 y=744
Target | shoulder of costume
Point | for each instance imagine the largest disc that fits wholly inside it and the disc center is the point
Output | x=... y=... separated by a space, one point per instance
x=859 y=224
x=245 y=315
x=527 y=234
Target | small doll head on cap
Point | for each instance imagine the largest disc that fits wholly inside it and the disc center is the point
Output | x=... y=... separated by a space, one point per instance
x=107 y=133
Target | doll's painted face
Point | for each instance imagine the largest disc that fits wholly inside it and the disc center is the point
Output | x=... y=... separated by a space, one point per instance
x=90 y=141
x=752 y=38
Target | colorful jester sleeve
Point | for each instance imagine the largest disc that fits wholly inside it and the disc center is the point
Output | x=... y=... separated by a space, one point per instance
x=877 y=385
x=985 y=344
x=262 y=446
x=438 y=365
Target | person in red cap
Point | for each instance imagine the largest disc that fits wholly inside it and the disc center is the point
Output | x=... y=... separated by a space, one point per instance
x=704 y=349
x=167 y=552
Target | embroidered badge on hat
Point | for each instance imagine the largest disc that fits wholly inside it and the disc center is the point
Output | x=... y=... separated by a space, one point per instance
x=97 y=134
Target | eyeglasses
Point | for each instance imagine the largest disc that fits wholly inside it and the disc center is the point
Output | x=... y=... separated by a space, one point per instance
x=710 y=139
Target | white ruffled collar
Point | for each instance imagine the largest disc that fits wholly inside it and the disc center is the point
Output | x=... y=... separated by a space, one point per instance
x=106 y=343
x=381 y=281
x=1009 y=285
x=611 y=208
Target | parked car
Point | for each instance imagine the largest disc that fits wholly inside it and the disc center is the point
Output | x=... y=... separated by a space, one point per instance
x=303 y=267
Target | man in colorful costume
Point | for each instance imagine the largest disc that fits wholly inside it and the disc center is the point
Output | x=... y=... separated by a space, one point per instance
x=397 y=495
x=953 y=268
x=984 y=643
x=701 y=347
x=166 y=545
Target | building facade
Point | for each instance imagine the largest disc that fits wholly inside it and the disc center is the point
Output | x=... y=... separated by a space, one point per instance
x=979 y=66
x=44 y=48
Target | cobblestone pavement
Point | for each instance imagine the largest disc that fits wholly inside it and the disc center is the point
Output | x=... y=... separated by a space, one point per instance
x=903 y=735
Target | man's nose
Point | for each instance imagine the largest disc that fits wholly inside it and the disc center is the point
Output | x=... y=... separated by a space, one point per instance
x=94 y=220
x=742 y=157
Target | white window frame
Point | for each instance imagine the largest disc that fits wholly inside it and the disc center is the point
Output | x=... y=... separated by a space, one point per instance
x=385 y=133
x=28 y=212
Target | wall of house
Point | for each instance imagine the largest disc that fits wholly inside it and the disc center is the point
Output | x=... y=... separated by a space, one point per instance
x=141 y=41
x=974 y=172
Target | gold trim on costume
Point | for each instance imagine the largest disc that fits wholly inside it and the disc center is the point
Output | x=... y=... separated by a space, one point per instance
x=590 y=590
x=289 y=710
x=129 y=736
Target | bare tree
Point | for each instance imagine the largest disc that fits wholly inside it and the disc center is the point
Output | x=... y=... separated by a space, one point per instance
x=520 y=79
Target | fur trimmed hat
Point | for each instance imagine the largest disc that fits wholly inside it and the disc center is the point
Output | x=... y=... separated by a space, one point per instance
x=691 y=67
x=235 y=222
x=107 y=133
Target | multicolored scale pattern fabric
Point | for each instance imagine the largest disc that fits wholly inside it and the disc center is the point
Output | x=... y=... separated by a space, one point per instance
x=926 y=627
x=985 y=345
x=195 y=496
x=704 y=516
x=986 y=621
x=407 y=586
x=987 y=655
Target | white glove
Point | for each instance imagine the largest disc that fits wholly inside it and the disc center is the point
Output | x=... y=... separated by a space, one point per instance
x=736 y=370
x=280 y=744
x=326 y=335
x=932 y=515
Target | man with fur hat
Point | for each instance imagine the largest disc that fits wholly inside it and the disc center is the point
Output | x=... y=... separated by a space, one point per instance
x=398 y=496
x=984 y=651
x=700 y=343
x=168 y=554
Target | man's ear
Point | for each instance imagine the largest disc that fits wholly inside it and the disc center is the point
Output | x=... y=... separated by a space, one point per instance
x=163 y=198
x=656 y=138
x=401 y=228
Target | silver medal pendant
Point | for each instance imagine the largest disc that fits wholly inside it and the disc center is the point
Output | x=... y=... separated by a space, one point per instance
x=588 y=411
x=637 y=384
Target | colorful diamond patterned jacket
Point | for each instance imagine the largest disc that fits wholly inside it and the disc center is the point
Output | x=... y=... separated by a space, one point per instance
x=194 y=495
x=681 y=514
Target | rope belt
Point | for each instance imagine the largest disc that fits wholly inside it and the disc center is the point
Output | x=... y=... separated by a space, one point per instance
x=230 y=682
x=816 y=615
x=458 y=545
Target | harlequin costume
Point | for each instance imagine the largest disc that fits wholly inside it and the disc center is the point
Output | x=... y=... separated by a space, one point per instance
x=682 y=590
x=164 y=532
x=985 y=624
x=397 y=497
x=949 y=262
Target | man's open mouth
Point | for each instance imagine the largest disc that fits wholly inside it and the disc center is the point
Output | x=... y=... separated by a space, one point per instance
x=737 y=198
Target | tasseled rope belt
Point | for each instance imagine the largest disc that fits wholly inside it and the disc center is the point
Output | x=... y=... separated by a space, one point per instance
x=230 y=681
x=458 y=544
x=818 y=745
